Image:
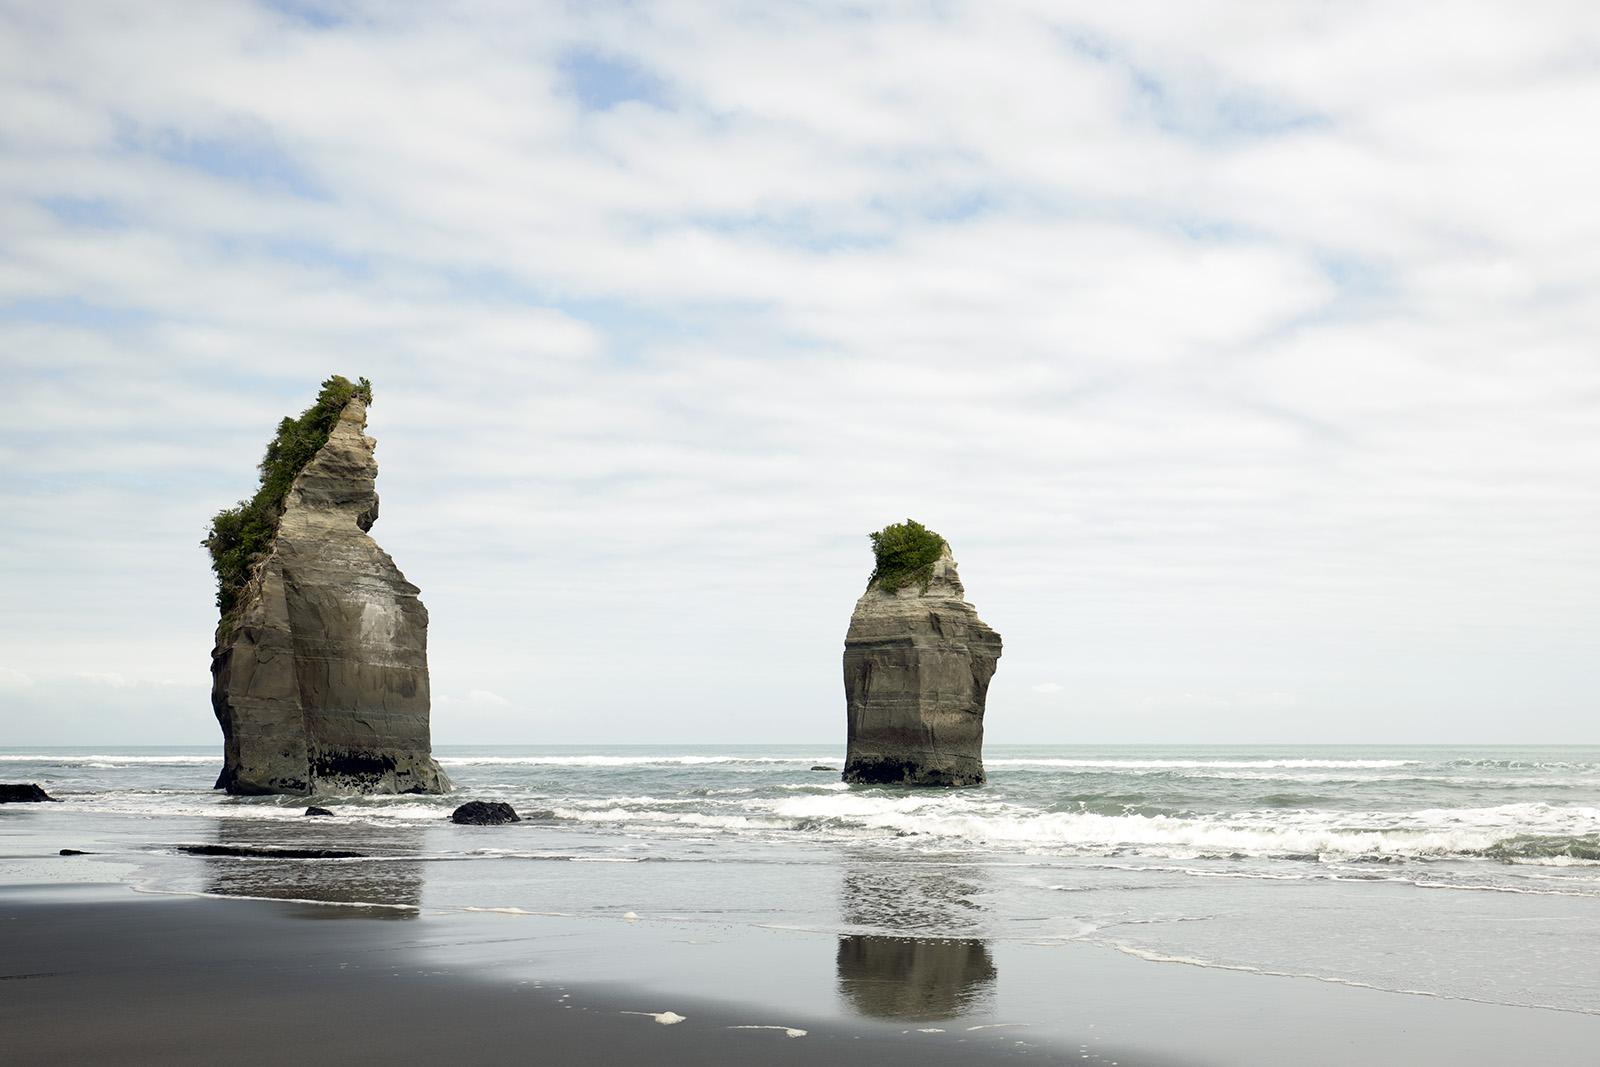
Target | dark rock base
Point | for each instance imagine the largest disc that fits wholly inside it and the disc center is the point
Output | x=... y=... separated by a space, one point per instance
x=25 y=793
x=907 y=772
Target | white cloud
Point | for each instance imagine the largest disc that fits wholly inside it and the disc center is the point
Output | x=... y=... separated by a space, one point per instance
x=1257 y=331
x=1047 y=687
x=115 y=681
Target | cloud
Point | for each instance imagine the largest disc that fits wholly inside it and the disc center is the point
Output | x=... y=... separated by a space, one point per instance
x=107 y=678
x=1047 y=687
x=13 y=679
x=1202 y=329
x=475 y=698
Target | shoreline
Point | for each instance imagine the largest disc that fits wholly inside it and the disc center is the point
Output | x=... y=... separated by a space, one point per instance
x=94 y=977
x=102 y=974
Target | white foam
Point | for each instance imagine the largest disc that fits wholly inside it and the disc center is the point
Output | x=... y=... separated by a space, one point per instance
x=276 y=900
x=1205 y=764
x=618 y=761
x=789 y=1031
x=103 y=761
x=1431 y=833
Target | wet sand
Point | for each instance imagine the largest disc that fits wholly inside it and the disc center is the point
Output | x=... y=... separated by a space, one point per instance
x=103 y=975
x=181 y=980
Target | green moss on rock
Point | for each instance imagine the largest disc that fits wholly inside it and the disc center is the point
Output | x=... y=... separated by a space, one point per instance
x=241 y=536
x=904 y=552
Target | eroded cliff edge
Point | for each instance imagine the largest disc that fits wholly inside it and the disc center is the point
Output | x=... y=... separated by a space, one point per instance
x=917 y=665
x=320 y=670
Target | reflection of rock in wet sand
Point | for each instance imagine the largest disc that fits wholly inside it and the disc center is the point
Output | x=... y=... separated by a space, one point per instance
x=382 y=877
x=916 y=896
x=914 y=978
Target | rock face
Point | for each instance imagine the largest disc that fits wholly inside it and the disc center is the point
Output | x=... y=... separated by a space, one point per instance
x=917 y=664
x=321 y=683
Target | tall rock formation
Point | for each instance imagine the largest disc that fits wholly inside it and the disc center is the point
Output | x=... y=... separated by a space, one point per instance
x=917 y=664
x=320 y=671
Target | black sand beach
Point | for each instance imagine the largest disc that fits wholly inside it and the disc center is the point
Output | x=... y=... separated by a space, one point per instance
x=131 y=980
x=101 y=975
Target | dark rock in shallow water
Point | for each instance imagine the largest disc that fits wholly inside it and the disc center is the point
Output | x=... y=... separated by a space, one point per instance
x=23 y=793
x=917 y=664
x=75 y=852
x=314 y=810
x=484 y=813
x=320 y=671
x=266 y=853
x=820 y=767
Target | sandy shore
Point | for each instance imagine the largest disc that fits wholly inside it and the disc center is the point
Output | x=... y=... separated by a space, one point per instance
x=102 y=975
x=90 y=979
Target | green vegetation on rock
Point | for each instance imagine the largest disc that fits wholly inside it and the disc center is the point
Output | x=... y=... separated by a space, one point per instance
x=242 y=536
x=905 y=552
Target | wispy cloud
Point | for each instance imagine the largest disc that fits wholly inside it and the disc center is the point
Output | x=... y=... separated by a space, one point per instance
x=1231 y=346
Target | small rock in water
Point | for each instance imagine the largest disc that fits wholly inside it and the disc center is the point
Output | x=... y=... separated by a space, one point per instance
x=314 y=810
x=484 y=813
x=75 y=852
x=820 y=767
x=23 y=793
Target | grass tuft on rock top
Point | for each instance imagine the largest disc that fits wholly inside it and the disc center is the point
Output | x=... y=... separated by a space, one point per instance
x=904 y=552
x=241 y=536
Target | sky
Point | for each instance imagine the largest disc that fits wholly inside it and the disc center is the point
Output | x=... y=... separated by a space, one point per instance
x=1245 y=354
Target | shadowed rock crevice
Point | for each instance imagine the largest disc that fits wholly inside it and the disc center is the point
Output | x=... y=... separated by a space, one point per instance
x=917 y=665
x=321 y=681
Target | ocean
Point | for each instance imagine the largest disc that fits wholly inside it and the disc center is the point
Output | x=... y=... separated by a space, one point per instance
x=1465 y=873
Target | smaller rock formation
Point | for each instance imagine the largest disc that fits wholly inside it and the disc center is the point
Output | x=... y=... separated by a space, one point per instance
x=917 y=664
x=23 y=793
x=484 y=813
x=316 y=811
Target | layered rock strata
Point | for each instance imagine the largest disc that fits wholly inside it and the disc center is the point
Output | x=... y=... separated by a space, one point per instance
x=917 y=664
x=321 y=681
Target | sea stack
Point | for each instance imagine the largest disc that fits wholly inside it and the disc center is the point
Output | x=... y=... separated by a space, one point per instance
x=320 y=670
x=917 y=664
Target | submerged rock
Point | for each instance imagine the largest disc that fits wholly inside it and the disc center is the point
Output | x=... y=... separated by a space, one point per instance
x=320 y=671
x=917 y=664
x=23 y=793
x=484 y=813
x=316 y=811
x=271 y=853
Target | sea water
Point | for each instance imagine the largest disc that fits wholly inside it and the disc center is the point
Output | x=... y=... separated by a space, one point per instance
x=1469 y=873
